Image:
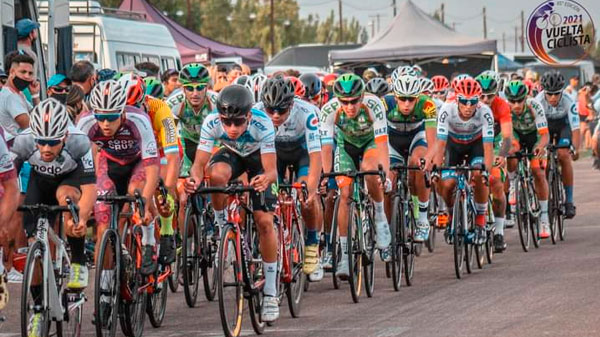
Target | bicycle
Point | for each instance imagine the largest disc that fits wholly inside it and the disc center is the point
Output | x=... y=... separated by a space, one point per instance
x=556 y=204
x=403 y=226
x=459 y=231
x=42 y=293
x=361 y=232
x=291 y=244
x=432 y=215
x=198 y=249
x=240 y=266
x=334 y=239
x=117 y=281
x=527 y=208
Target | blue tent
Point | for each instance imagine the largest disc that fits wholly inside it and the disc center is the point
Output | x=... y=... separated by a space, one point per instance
x=506 y=64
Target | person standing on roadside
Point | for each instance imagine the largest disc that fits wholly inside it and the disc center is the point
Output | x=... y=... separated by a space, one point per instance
x=27 y=33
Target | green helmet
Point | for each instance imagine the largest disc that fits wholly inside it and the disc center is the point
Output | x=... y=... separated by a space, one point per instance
x=516 y=90
x=194 y=73
x=348 y=85
x=154 y=87
x=488 y=83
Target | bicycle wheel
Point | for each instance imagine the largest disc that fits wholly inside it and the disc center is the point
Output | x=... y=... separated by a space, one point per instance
x=73 y=328
x=354 y=254
x=398 y=247
x=295 y=289
x=34 y=290
x=107 y=284
x=173 y=279
x=469 y=246
x=522 y=214
x=553 y=204
x=411 y=251
x=256 y=274
x=458 y=235
x=369 y=254
x=208 y=262
x=229 y=283
x=336 y=251
x=561 y=219
x=189 y=256
x=157 y=302
x=489 y=244
x=432 y=216
x=135 y=307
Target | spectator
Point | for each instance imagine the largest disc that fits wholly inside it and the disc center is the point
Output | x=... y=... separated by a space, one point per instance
x=75 y=103
x=14 y=107
x=369 y=74
x=292 y=72
x=246 y=70
x=27 y=33
x=105 y=74
x=58 y=87
x=3 y=78
x=170 y=81
x=83 y=74
x=572 y=88
x=150 y=69
x=234 y=73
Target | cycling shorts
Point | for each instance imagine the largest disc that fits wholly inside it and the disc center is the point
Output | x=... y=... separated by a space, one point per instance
x=560 y=131
x=189 y=154
x=527 y=142
x=403 y=144
x=348 y=158
x=251 y=165
x=457 y=153
x=298 y=159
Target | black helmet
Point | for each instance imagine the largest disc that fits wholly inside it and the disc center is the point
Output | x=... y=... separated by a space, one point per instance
x=378 y=86
x=312 y=84
x=277 y=93
x=553 y=81
x=234 y=101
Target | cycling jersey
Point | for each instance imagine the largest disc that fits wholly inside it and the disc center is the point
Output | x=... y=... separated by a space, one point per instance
x=163 y=125
x=369 y=124
x=566 y=109
x=532 y=118
x=300 y=129
x=423 y=115
x=132 y=141
x=76 y=155
x=190 y=122
x=501 y=112
x=259 y=135
x=7 y=169
x=451 y=125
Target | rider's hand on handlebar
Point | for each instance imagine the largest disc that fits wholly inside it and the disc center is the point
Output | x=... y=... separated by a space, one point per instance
x=191 y=184
x=574 y=155
x=76 y=230
x=323 y=186
x=260 y=183
x=499 y=161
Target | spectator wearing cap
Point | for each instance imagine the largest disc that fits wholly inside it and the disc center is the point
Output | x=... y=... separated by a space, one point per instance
x=58 y=87
x=3 y=78
x=83 y=74
x=148 y=68
x=27 y=33
x=170 y=81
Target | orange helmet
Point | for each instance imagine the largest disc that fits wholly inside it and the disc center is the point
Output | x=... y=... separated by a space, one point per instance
x=135 y=88
x=299 y=89
x=467 y=88
x=329 y=78
x=440 y=83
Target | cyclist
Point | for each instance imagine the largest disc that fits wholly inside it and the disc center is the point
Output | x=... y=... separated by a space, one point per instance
x=440 y=87
x=411 y=120
x=378 y=86
x=563 y=125
x=9 y=196
x=247 y=137
x=154 y=87
x=427 y=88
x=163 y=126
x=313 y=89
x=465 y=130
x=127 y=158
x=298 y=145
x=530 y=133
x=361 y=144
x=62 y=167
x=488 y=80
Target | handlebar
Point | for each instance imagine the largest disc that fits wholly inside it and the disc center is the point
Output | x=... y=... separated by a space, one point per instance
x=520 y=155
x=402 y=167
x=123 y=199
x=300 y=186
x=355 y=174
x=42 y=208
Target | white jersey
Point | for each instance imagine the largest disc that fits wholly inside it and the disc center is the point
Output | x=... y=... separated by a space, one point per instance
x=438 y=103
x=259 y=135
x=451 y=125
x=566 y=108
x=300 y=129
x=176 y=101
x=6 y=163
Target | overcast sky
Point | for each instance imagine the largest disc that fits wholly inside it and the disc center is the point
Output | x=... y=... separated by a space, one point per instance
x=502 y=15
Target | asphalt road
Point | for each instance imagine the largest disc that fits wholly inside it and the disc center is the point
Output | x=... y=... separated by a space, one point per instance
x=550 y=291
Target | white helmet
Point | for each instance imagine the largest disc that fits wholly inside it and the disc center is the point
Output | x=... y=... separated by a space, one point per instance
x=49 y=120
x=258 y=80
x=417 y=69
x=108 y=96
x=407 y=85
x=403 y=70
x=246 y=81
x=426 y=85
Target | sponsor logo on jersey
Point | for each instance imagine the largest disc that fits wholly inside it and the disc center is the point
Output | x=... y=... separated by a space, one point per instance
x=429 y=108
x=49 y=170
x=170 y=133
x=88 y=161
x=151 y=148
x=121 y=144
x=5 y=162
x=312 y=123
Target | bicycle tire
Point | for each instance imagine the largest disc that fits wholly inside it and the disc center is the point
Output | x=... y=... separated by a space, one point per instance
x=553 y=210
x=354 y=254
x=75 y=319
x=231 y=321
x=458 y=237
x=388 y=269
x=522 y=215
x=175 y=266
x=369 y=254
x=336 y=252
x=469 y=246
x=489 y=245
x=189 y=256
x=135 y=310
x=410 y=253
x=396 y=226
x=34 y=263
x=295 y=289
x=561 y=218
x=432 y=215
x=255 y=301
x=110 y=256
x=208 y=264
x=157 y=302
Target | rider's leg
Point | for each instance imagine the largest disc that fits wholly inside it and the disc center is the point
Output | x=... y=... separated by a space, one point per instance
x=418 y=186
x=541 y=188
x=566 y=164
x=382 y=229
x=499 y=198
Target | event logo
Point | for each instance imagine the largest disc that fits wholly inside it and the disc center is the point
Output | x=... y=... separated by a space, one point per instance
x=558 y=25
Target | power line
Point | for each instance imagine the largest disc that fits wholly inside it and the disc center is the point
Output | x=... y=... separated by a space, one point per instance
x=463 y=18
x=318 y=3
x=504 y=21
x=367 y=9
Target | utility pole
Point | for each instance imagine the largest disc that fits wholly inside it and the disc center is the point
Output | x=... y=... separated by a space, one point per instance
x=378 y=17
x=394 y=4
x=272 y=28
x=372 y=24
x=484 y=24
x=442 y=12
x=341 y=34
x=503 y=42
x=516 y=38
x=522 y=32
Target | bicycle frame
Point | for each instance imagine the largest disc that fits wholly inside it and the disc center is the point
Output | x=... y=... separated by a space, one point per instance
x=286 y=206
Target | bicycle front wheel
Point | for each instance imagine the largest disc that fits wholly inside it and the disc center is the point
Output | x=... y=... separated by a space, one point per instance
x=522 y=215
x=561 y=219
x=229 y=283
x=107 y=284
x=34 y=312
x=458 y=235
x=412 y=247
x=176 y=266
x=554 y=205
x=295 y=289
x=135 y=307
x=209 y=262
x=354 y=253
x=398 y=247
x=369 y=254
x=336 y=249
x=189 y=256
x=157 y=302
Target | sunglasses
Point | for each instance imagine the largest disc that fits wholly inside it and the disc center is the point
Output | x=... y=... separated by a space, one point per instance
x=409 y=99
x=196 y=87
x=350 y=101
x=515 y=101
x=3 y=80
x=488 y=96
x=107 y=117
x=443 y=92
x=233 y=121
x=467 y=101
x=49 y=142
x=280 y=111
x=554 y=93
x=60 y=90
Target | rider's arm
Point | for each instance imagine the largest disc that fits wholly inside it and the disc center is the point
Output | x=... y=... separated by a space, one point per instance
x=165 y=123
x=326 y=128
x=430 y=112
x=541 y=124
x=10 y=199
x=313 y=144
x=87 y=172
x=573 y=117
x=150 y=159
x=380 y=129
x=204 y=150
x=487 y=134
x=505 y=127
x=442 y=134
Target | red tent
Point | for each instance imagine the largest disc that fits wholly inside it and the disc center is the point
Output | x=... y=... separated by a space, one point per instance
x=192 y=46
